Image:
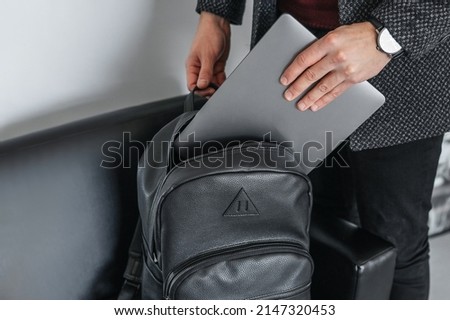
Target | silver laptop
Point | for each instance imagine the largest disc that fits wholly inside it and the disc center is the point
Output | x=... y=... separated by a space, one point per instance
x=250 y=104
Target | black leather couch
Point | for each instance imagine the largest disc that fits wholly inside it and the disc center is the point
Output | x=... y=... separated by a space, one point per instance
x=66 y=222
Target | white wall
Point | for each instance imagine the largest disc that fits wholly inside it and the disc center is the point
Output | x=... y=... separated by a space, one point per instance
x=63 y=60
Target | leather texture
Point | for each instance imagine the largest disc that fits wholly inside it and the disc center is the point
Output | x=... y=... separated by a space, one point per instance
x=357 y=268
x=66 y=223
x=216 y=224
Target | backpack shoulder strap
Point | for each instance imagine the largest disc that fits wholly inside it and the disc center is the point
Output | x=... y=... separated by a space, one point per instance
x=133 y=272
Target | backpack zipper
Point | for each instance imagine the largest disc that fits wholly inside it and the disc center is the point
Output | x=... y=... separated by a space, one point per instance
x=184 y=270
x=285 y=294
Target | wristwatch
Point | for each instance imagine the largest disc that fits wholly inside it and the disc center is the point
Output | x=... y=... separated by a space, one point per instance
x=385 y=42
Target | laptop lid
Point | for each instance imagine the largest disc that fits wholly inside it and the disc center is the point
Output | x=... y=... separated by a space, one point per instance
x=250 y=105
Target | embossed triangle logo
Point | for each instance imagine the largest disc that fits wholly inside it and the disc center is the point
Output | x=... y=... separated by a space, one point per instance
x=241 y=205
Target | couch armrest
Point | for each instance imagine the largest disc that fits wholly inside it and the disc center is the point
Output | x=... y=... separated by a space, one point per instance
x=350 y=263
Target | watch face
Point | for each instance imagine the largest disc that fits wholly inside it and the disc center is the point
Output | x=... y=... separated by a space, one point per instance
x=387 y=43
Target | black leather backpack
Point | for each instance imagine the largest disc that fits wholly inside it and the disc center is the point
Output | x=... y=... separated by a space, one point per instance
x=228 y=224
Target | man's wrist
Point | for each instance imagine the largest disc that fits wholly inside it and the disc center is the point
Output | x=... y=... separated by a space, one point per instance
x=208 y=17
x=385 y=42
x=374 y=32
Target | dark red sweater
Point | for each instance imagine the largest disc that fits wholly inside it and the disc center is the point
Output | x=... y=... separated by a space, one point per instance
x=322 y=14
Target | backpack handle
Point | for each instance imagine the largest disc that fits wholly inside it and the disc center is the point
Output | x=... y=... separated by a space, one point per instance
x=189 y=103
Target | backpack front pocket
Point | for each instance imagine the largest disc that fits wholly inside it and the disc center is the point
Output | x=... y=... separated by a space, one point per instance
x=277 y=270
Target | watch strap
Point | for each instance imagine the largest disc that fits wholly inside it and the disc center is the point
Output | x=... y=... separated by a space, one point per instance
x=376 y=23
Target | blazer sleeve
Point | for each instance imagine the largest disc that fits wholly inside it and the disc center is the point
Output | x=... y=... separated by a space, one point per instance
x=417 y=25
x=232 y=10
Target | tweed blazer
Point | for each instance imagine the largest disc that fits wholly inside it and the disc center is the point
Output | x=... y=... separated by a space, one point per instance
x=416 y=85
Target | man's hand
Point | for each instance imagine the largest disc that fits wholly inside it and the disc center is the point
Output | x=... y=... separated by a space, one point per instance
x=209 y=53
x=342 y=58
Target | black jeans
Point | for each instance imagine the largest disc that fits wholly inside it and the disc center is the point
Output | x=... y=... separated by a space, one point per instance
x=386 y=191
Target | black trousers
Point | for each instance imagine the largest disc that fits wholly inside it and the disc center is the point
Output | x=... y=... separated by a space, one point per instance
x=386 y=191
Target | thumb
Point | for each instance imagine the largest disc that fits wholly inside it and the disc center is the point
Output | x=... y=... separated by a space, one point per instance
x=206 y=73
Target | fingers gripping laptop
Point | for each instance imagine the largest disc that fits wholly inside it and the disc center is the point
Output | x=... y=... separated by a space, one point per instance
x=250 y=105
